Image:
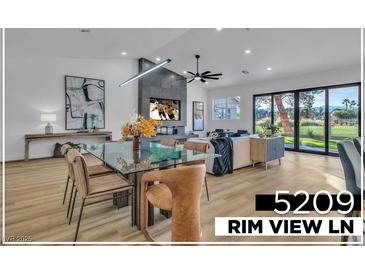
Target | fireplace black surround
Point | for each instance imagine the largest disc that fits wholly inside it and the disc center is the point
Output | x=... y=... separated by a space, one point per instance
x=161 y=83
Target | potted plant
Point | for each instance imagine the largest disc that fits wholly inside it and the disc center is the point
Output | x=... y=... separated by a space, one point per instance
x=139 y=126
x=271 y=130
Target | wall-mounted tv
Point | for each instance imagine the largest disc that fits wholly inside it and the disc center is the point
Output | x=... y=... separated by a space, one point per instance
x=164 y=109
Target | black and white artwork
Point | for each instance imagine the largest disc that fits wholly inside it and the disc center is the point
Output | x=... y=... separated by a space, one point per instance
x=198 y=116
x=85 y=103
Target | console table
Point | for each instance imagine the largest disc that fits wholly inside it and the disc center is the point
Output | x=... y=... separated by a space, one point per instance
x=35 y=137
x=266 y=149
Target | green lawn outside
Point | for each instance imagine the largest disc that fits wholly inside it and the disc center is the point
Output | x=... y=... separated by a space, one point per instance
x=346 y=132
x=310 y=142
x=336 y=131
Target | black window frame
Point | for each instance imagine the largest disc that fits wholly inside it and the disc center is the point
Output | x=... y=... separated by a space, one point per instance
x=296 y=93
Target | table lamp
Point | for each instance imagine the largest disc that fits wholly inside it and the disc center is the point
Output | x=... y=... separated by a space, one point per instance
x=48 y=118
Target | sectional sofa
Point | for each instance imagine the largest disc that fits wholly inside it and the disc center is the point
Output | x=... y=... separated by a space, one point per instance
x=241 y=152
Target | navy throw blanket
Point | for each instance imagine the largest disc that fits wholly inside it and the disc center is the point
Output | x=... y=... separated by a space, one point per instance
x=223 y=164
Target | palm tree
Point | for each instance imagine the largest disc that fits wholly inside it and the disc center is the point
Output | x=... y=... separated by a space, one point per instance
x=346 y=102
x=353 y=104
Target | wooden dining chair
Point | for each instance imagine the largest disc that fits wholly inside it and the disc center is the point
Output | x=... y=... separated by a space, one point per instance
x=171 y=142
x=200 y=147
x=178 y=190
x=94 y=187
x=94 y=170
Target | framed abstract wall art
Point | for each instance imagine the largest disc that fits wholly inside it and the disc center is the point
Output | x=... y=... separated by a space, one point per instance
x=198 y=116
x=85 y=103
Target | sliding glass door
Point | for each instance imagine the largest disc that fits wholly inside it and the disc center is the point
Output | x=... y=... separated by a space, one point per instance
x=343 y=115
x=312 y=106
x=262 y=114
x=284 y=116
x=311 y=120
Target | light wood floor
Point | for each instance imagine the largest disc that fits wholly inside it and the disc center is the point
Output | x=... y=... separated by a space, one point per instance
x=34 y=191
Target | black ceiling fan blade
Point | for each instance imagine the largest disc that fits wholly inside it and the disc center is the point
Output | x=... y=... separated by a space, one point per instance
x=202 y=80
x=191 y=73
x=191 y=80
x=208 y=77
x=206 y=72
x=216 y=74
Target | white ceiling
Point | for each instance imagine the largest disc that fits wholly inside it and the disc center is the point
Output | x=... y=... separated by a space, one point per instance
x=289 y=52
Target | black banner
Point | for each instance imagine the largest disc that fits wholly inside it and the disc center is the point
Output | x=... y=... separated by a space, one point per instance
x=266 y=202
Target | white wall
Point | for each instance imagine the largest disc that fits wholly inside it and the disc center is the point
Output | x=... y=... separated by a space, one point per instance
x=196 y=93
x=36 y=85
x=338 y=76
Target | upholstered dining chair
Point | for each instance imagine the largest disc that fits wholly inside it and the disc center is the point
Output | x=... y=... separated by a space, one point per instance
x=178 y=190
x=200 y=147
x=351 y=164
x=357 y=143
x=64 y=150
x=93 y=187
x=171 y=142
x=94 y=170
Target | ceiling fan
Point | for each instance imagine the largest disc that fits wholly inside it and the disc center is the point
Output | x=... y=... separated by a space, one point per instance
x=203 y=76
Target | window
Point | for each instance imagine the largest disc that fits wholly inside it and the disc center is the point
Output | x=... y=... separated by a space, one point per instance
x=284 y=116
x=262 y=112
x=313 y=119
x=312 y=130
x=343 y=116
x=226 y=108
x=219 y=107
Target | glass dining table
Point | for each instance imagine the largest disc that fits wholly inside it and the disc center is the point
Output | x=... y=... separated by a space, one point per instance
x=132 y=164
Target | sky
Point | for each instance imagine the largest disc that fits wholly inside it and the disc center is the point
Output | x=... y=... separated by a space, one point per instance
x=336 y=96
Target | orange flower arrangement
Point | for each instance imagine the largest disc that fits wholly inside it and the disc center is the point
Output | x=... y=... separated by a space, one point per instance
x=139 y=126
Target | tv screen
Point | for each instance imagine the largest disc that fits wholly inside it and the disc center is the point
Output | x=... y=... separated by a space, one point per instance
x=164 y=109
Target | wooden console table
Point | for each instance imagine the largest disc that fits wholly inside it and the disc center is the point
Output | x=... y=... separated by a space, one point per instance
x=266 y=149
x=35 y=137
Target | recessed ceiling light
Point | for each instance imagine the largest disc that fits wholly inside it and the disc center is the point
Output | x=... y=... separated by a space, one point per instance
x=219 y=28
x=206 y=82
x=124 y=53
x=247 y=51
x=158 y=59
x=185 y=72
x=268 y=68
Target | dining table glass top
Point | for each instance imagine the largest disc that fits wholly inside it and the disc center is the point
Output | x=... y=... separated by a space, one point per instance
x=151 y=155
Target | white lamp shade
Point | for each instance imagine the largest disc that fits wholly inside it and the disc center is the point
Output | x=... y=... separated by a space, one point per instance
x=48 y=117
